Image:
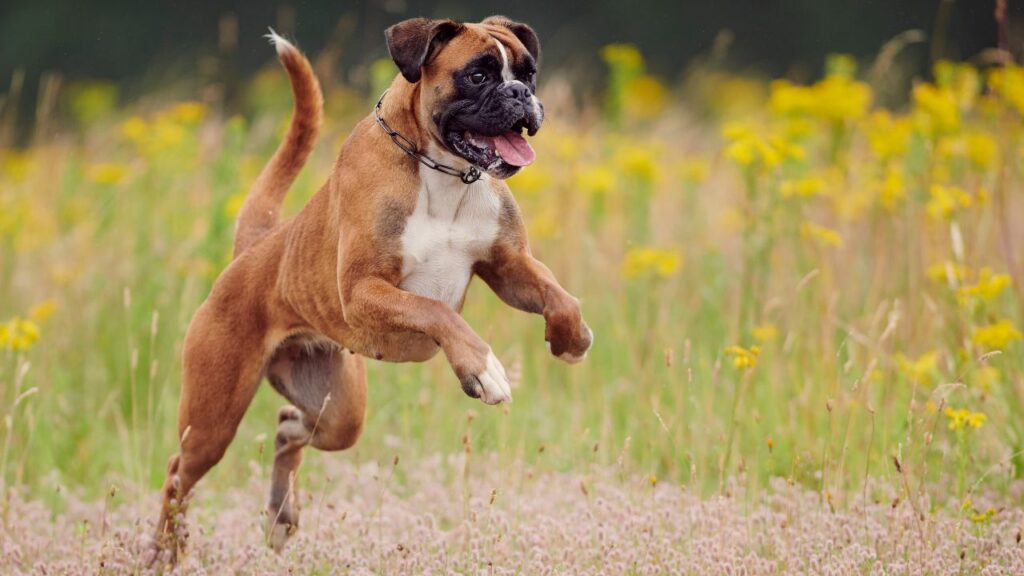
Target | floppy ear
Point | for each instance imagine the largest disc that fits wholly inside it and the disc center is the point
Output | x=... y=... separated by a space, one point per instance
x=522 y=31
x=412 y=42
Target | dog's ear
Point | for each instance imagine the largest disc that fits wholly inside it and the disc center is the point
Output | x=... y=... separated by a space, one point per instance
x=413 y=42
x=522 y=31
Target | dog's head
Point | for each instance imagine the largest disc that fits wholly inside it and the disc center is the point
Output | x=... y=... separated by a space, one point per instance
x=477 y=84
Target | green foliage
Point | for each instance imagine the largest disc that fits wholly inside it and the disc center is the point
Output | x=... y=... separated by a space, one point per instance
x=791 y=300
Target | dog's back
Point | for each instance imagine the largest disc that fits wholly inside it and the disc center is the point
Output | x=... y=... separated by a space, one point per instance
x=262 y=207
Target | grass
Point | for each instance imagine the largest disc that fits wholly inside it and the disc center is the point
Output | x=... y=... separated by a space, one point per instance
x=784 y=282
x=471 y=515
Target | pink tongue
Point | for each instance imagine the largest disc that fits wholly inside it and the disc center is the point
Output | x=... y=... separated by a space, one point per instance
x=514 y=149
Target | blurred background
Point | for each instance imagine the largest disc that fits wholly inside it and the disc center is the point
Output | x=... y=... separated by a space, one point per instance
x=139 y=46
x=793 y=225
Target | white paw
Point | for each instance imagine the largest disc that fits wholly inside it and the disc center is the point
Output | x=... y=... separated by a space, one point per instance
x=571 y=359
x=494 y=385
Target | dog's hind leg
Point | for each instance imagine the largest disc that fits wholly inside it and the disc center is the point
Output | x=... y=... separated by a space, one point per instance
x=222 y=362
x=282 y=509
x=327 y=388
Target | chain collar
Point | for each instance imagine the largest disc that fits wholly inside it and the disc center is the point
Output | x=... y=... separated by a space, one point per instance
x=469 y=175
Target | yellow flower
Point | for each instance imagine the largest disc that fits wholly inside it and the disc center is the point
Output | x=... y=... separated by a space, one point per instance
x=743 y=357
x=234 y=204
x=891 y=189
x=981 y=195
x=977 y=147
x=824 y=236
x=962 y=418
x=803 y=187
x=107 y=173
x=995 y=336
x=729 y=95
x=987 y=287
x=789 y=99
x=935 y=109
x=166 y=131
x=961 y=79
x=134 y=129
x=795 y=128
x=531 y=181
x=834 y=98
x=1007 y=82
x=43 y=310
x=624 y=55
x=638 y=161
x=644 y=261
x=982 y=149
x=693 y=170
x=749 y=148
x=944 y=201
x=840 y=98
x=976 y=420
x=18 y=334
x=544 y=225
x=166 y=134
x=982 y=517
x=986 y=377
x=14 y=166
x=921 y=369
x=185 y=112
x=568 y=146
x=764 y=332
x=948 y=272
x=595 y=180
x=887 y=136
x=645 y=97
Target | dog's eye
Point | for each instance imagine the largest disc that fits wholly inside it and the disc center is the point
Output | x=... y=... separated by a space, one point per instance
x=477 y=77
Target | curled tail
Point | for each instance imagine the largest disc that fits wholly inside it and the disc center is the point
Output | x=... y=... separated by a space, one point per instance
x=263 y=204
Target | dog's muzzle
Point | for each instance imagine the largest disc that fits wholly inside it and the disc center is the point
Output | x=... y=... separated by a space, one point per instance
x=489 y=132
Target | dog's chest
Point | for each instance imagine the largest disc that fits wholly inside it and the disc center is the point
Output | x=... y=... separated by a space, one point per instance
x=453 y=226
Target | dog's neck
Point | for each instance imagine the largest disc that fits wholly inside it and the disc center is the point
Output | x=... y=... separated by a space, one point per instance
x=403 y=111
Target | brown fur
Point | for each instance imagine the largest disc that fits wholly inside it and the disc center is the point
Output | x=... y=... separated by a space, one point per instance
x=307 y=298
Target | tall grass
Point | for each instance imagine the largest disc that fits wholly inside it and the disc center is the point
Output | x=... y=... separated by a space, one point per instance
x=783 y=281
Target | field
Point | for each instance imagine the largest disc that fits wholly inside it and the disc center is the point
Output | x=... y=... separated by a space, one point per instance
x=807 y=308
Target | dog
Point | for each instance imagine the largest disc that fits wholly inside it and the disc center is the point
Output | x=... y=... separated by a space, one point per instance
x=377 y=264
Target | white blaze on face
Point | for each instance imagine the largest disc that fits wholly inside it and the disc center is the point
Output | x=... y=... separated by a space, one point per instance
x=506 y=70
x=507 y=76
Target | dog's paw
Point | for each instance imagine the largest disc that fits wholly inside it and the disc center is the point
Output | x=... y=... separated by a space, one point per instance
x=278 y=533
x=159 y=552
x=577 y=353
x=492 y=385
x=151 y=554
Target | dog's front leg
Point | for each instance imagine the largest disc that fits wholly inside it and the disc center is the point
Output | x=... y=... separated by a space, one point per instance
x=524 y=282
x=374 y=303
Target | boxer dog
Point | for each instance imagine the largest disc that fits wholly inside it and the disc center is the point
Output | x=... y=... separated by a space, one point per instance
x=377 y=263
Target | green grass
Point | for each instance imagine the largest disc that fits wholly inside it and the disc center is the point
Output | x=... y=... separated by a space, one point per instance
x=830 y=402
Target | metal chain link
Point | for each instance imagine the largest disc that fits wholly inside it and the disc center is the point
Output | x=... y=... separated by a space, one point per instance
x=468 y=176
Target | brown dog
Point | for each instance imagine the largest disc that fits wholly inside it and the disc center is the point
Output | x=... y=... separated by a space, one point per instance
x=378 y=262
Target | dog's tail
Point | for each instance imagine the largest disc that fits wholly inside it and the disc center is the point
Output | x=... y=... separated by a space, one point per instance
x=261 y=209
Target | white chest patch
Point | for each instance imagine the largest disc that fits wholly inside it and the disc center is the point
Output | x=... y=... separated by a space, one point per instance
x=453 y=227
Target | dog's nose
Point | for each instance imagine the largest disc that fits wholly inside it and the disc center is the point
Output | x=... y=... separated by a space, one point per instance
x=516 y=90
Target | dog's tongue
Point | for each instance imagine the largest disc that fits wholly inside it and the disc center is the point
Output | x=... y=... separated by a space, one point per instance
x=514 y=149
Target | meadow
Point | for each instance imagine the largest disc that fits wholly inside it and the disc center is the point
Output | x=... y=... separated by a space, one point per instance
x=796 y=291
